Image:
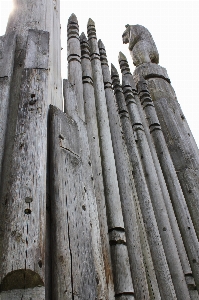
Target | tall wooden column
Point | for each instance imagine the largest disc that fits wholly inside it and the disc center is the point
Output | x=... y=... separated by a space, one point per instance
x=174 y=188
x=130 y=87
x=74 y=63
x=153 y=235
x=158 y=199
x=128 y=196
x=178 y=136
x=23 y=201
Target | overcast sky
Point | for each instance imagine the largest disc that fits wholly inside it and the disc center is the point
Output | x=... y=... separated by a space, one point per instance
x=174 y=26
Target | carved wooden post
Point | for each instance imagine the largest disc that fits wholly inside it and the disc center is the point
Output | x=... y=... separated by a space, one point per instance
x=179 y=139
x=30 y=15
x=112 y=208
x=7 y=52
x=158 y=200
x=74 y=63
x=104 y=272
x=24 y=195
x=156 y=248
x=174 y=188
x=127 y=189
x=130 y=86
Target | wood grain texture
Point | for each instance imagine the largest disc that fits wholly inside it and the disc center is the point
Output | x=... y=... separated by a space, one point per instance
x=7 y=52
x=74 y=63
x=120 y=258
x=180 y=142
x=102 y=263
x=175 y=228
x=174 y=188
x=24 y=195
x=106 y=212
x=40 y=15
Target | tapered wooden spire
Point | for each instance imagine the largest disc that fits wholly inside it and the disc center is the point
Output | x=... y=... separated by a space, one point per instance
x=74 y=62
x=153 y=235
x=108 y=219
x=158 y=204
x=174 y=188
x=129 y=82
x=127 y=194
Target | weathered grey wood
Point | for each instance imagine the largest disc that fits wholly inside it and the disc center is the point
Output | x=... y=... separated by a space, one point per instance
x=74 y=194
x=141 y=44
x=126 y=186
x=113 y=208
x=74 y=63
x=24 y=194
x=103 y=272
x=120 y=259
x=177 y=235
x=174 y=188
x=179 y=139
x=30 y=14
x=159 y=260
x=107 y=156
x=25 y=294
x=158 y=202
x=7 y=52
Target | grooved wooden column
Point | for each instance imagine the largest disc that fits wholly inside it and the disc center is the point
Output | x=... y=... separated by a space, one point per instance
x=174 y=188
x=7 y=52
x=130 y=86
x=180 y=142
x=108 y=163
x=103 y=278
x=74 y=63
x=158 y=200
x=108 y=211
x=24 y=195
x=154 y=239
x=127 y=190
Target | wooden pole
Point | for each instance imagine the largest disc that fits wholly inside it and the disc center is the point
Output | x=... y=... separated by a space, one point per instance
x=7 y=54
x=128 y=193
x=159 y=260
x=105 y=207
x=24 y=195
x=74 y=63
x=180 y=142
x=174 y=188
x=158 y=200
x=129 y=84
x=103 y=272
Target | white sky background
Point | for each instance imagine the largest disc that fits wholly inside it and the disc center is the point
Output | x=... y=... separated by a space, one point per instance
x=174 y=26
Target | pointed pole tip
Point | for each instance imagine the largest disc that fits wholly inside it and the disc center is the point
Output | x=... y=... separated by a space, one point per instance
x=121 y=56
x=100 y=44
x=72 y=18
x=83 y=37
x=113 y=70
x=90 y=22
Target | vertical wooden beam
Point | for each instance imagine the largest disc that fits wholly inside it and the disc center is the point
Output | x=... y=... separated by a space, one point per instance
x=157 y=198
x=103 y=272
x=40 y=15
x=174 y=188
x=24 y=194
x=126 y=188
x=129 y=85
x=157 y=251
x=7 y=53
x=123 y=281
x=180 y=142
x=107 y=217
x=74 y=63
